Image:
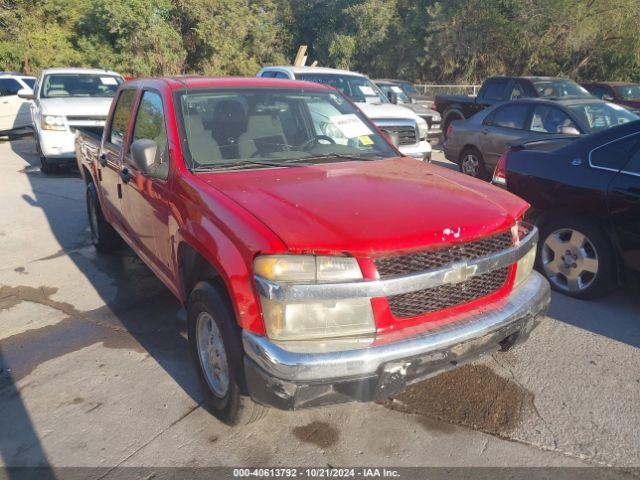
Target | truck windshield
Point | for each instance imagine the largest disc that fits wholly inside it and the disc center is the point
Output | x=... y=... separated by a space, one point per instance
x=629 y=92
x=601 y=115
x=557 y=87
x=223 y=128
x=80 y=85
x=359 y=89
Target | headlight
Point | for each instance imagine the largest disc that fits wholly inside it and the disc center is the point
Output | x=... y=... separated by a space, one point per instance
x=526 y=263
x=423 y=128
x=317 y=319
x=52 y=122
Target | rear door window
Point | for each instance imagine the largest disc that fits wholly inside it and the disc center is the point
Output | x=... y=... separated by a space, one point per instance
x=511 y=116
x=615 y=155
x=121 y=117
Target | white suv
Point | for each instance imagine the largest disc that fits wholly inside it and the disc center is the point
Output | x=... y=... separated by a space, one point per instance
x=410 y=129
x=64 y=98
x=14 y=111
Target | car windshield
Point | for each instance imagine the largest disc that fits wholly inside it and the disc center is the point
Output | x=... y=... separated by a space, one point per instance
x=559 y=88
x=359 y=89
x=629 y=92
x=408 y=88
x=80 y=85
x=402 y=97
x=31 y=82
x=601 y=115
x=272 y=127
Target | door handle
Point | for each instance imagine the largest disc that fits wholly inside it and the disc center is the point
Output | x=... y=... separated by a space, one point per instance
x=485 y=131
x=124 y=175
x=103 y=159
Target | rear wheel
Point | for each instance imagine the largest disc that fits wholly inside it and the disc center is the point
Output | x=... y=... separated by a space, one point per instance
x=471 y=163
x=103 y=235
x=576 y=257
x=216 y=347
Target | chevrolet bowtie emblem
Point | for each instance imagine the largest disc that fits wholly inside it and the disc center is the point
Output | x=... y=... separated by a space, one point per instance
x=460 y=273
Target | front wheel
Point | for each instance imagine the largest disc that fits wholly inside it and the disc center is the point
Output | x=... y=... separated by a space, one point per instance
x=576 y=257
x=216 y=347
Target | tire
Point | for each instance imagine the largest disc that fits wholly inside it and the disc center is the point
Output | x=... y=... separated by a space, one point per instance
x=576 y=257
x=472 y=163
x=216 y=347
x=45 y=166
x=103 y=235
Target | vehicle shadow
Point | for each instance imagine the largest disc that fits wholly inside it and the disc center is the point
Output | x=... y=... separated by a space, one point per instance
x=616 y=316
x=139 y=312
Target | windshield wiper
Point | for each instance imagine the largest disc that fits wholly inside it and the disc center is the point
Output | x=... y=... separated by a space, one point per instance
x=237 y=165
x=340 y=156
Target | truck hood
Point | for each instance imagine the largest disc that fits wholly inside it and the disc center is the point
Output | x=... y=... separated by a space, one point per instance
x=369 y=207
x=76 y=106
x=377 y=111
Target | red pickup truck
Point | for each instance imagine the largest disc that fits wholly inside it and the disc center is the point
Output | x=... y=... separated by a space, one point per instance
x=316 y=264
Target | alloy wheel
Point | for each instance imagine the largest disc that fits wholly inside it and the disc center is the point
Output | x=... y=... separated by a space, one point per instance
x=569 y=260
x=470 y=165
x=212 y=354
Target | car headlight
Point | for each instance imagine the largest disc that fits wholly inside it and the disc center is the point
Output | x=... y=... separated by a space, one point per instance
x=52 y=122
x=303 y=320
x=526 y=263
x=423 y=128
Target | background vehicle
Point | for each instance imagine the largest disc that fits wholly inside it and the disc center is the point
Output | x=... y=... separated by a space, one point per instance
x=622 y=93
x=477 y=143
x=285 y=235
x=409 y=90
x=396 y=95
x=585 y=197
x=14 y=111
x=64 y=98
x=499 y=89
x=410 y=129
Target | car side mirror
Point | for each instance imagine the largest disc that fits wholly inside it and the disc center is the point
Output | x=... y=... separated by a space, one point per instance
x=569 y=131
x=27 y=94
x=607 y=98
x=393 y=97
x=143 y=154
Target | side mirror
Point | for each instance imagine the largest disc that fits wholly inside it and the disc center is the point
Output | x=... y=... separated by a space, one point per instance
x=143 y=154
x=394 y=137
x=26 y=93
x=607 y=98
x=569 y=131
x=393 y=97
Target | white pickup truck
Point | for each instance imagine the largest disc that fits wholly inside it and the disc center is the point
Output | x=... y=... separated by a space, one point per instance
x=64 y=98
x=410 y=130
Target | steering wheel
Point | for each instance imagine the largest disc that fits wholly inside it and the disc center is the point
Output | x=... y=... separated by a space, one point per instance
x=316 y=139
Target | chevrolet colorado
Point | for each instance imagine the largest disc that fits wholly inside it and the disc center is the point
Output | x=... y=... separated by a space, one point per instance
x=316 y=264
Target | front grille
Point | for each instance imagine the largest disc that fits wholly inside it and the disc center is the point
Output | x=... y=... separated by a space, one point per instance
x=406 y=133
x=449 y=295
x=419 y=262
x=437 y=298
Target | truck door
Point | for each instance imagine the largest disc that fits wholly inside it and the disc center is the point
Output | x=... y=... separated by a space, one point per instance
x=146 y=197
x=14 y=111
x=623 y=197
x=110 y=158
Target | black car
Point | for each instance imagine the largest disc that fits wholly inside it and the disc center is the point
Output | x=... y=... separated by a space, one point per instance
x=585 y=198
x=409 y=90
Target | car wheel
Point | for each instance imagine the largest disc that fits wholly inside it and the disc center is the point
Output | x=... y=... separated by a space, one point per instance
x=576 y=257
x=471 y=163
x=103 y=235
x=45 y=166
x=216 y=347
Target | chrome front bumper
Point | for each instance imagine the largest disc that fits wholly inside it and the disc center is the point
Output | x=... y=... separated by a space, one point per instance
x=290 y=380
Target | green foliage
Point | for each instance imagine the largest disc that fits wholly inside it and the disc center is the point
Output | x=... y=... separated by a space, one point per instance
x=431 y=40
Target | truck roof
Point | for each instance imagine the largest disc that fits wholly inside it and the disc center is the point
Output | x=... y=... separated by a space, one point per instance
x=307 y=69
x=180 y=82
x=79 y=71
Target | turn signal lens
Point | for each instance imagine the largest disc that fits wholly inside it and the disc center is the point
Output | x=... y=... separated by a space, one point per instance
x=52 y=122
x=525 y=266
